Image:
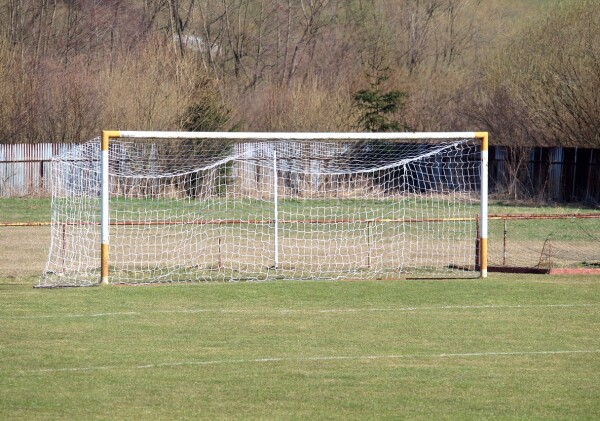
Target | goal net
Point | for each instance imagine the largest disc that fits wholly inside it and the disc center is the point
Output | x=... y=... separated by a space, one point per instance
x=145 y=207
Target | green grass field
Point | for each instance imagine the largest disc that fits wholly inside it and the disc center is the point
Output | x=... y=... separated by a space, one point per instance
x=511 y=347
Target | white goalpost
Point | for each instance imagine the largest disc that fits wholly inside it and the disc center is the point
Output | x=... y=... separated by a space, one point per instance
x=139 y=207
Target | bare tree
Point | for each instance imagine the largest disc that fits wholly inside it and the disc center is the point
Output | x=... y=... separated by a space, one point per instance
x=553 y=69
x=457 y=29
x=418 y=24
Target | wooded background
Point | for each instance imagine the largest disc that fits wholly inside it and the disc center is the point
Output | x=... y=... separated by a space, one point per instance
x=528 y=71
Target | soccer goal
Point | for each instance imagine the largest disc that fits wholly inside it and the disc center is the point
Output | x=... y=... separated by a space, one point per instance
x=143 y=207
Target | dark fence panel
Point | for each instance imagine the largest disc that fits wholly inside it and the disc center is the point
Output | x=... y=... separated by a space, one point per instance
x=555 y=174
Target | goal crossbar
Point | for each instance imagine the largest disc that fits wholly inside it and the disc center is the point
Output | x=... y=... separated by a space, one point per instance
x=258 y=136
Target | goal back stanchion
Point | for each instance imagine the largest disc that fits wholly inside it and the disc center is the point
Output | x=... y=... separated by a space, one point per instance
x=191 y=206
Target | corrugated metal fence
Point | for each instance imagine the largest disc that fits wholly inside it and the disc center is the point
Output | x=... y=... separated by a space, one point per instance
x=24 y=167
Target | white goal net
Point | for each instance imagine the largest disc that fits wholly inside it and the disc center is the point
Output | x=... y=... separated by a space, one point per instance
x=189 y=209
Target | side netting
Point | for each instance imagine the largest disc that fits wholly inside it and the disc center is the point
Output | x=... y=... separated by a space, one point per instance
x=189 y=210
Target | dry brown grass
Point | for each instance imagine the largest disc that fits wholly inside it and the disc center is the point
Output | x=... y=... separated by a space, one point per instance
x=23 y=250
x=305 y=106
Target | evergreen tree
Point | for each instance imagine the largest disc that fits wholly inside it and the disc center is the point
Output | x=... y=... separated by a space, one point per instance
x=376 y=106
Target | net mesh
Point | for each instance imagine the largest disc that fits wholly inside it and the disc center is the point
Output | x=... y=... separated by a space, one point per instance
x=196 y=210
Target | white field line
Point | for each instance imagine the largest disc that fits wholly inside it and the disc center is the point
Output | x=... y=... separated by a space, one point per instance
x=286 y=311
x=300 y=311
x=308 y=359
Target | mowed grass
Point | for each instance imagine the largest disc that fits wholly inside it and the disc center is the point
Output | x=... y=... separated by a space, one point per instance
x=510 y=347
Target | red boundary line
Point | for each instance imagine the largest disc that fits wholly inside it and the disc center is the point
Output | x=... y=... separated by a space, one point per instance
x=315 y=221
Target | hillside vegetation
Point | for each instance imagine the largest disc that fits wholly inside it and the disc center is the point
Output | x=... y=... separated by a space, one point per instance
x=528 y=71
